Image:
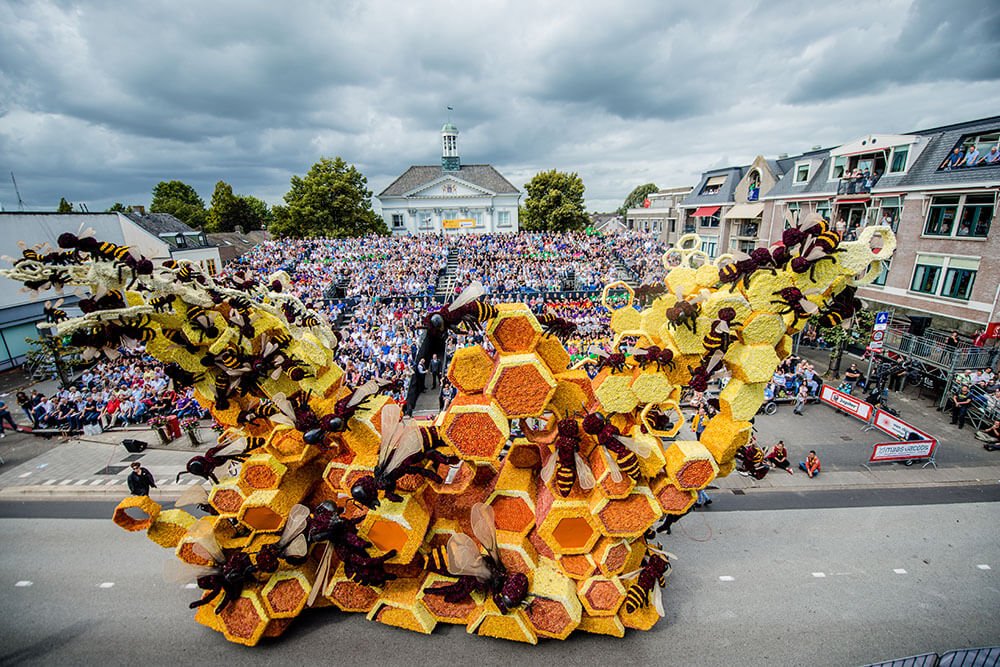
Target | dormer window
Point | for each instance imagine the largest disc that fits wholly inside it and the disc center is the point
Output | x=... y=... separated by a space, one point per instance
x=802 y=173
x=713 y=185
x=899 y=155
x=181 y=241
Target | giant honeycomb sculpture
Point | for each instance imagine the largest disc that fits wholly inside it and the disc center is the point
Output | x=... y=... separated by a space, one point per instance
x=560 y=473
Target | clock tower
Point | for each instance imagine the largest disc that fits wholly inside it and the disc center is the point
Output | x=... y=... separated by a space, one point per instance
x=449 y=148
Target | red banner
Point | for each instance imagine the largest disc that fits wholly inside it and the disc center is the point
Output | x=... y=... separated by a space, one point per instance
x=852 y=406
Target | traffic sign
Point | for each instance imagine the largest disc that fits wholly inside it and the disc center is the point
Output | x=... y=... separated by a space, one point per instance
x=882 y=318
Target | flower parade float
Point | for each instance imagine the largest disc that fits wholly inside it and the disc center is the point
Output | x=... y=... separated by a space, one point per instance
x=527 y=509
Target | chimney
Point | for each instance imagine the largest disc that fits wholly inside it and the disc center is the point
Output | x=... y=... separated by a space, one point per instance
x=141 y=210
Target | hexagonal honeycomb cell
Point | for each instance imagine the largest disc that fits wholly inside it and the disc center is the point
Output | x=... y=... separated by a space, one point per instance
x=723 y=437
x=448 y=612
x=566 y=526
x=742 y=400
x=625 y=318
x=284 y=595
x=169 y=527
x=614 y=391
x=601 y=596
x=227 y=497
x=515 y=329
x=651 y=388
x=470 y=369
x=611 y=554
x=552 y=352
x=243 y=621
x=630 y=516
x=476 y=427
x=555 y=609
x=671 y=499
x=521 y=385
x=136 y=513
x=689 y=464
x=763 y=328
x=753 y=363
x=261 y=471
x=577 y=566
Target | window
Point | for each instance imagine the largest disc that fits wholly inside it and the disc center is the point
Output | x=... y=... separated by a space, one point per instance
x=210 y=266
x=942 y=216
x=976 y=215
x=713 y=185
x=673 y=225
x=899 y=155
x=983 y=143
x=839 y=166
x=973 y=213
x=181 y=241
x=926 y=273
x=884 y=274
x=823 y=209
x=959 y=275
x=397 y=220
x=426 y=222
x=503 y=218
x=802 y=173
x=709 y=220
x=753 y=186
x=747 y=246
x=710 y=245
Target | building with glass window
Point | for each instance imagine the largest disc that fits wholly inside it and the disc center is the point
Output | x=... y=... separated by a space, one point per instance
x=453 y=198
x=941 y=202
x=660 y=215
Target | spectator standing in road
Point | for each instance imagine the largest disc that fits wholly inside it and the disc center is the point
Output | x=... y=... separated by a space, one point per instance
x=5 y=416
x=811 y=465
x=140 y=480
x=422 y=374
x=852 y=377
x=435 y=371
x=960 y=401
x=800 y=400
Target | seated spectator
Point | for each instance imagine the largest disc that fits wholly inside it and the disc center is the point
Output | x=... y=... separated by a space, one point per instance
x=811 y=465
x=954 y=160
x=778 y=457
x=991 y=158
x=971 y=157
x=990 y=435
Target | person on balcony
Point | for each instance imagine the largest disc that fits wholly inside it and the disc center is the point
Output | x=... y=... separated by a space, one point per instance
x=953 y=160
x=971 y=157
x=993 y=157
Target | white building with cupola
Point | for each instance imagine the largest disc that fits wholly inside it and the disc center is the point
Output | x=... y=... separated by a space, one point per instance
x=452 y=197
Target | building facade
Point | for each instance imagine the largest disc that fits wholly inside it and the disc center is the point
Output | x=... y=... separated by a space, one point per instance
x=157 y=236
x=661 y=218
x=453 y=198
x=946 y=264
x=704 y=208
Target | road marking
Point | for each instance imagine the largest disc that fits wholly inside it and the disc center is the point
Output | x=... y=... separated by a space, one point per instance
x=24 y=583
x=726 y=577
x=899 y=570
x=106 y=584
x=192 y=585
x=96 y=482
x=983 y=566
x=80 y=482
x=24 y=474
x=48 y=481
x=65 y=482
x=40 y=466
x=819 y=575
x=112 y=482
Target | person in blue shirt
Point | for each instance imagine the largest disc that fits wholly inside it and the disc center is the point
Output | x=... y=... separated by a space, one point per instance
x=971 y=157
x=954 y=159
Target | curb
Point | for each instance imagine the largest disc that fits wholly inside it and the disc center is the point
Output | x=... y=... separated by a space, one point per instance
x=168 y=493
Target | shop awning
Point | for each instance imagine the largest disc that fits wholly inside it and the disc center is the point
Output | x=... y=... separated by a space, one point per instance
x=744 y=212
x=852 y=201
x=706 y=211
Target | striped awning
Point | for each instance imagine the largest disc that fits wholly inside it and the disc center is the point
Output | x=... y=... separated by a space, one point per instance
x=744 y=212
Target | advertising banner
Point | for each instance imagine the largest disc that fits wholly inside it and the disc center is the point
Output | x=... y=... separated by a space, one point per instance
x=903 y=451
x=852 y=406
x=458 y=223
x=897 y=428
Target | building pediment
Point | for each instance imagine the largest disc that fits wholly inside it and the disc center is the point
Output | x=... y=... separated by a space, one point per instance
x=449 y=186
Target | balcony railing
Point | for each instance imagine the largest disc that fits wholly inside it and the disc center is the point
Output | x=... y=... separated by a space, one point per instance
x=748 y=229
x=856 y=186
x=688 y=229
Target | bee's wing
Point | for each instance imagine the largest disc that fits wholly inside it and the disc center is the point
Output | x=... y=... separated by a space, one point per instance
x=205 y=543
x=468 y=295
x=715 y=360
x=815 y=254
x=363 y=392
x=295 y=524
x=549 y=469
x=657 y=594
x=597 y=350
x=282 y=403
x=391 y=421
x=321 y=572
x=810 y=221
x=298 y=547
x=179 y=572
x=721 y=326
x=640 y=448
x=406 y=443
x=464 y=559
x=485 y=529
x=59 y=302
x=584 y=475
x=612 y=465
x=808 y=306
x=630 y=575
x=193 y=495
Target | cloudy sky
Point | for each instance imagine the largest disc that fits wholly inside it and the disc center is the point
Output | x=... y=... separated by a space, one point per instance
x=101 y=100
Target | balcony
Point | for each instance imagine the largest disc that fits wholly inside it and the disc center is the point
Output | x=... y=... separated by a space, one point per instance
x=747 y=229
x=856 y=186
x=689 y=228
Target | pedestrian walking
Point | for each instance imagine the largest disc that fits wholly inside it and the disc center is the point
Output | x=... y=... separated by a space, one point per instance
x=140 y=480
x=5 y=416
x=800 y=399
x=422 y=374
x=703 y=499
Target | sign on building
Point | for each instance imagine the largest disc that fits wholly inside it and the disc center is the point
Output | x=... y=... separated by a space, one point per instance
x=878 y=330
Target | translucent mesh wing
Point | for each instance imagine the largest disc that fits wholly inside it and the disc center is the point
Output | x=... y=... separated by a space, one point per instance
x=612 y=466
x=319 y=583
x=584 y=475
x=408 y=442
x=295 y=524
x=657 y=595
x=193 y=495
x=549 y=469
x=464 y=559
x=468 y=295
x=179 y=572
x=640 y=448
x=391 y=415
x=363 y=392
x=298 y=547
x=203 y=537
x=484 y=528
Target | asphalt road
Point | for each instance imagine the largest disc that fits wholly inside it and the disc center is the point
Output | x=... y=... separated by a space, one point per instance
x=816 y=586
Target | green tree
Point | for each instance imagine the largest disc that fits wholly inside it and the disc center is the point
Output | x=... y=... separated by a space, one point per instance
x=181 y=201
x=332 y=200
x=636 y=197
x=554 y=203
x=119 y=207
x=839 y=336
x=64 y=206
x=229 y=212
x=262 y=212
